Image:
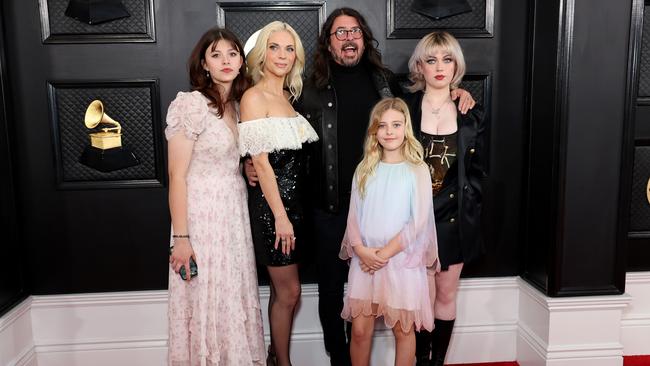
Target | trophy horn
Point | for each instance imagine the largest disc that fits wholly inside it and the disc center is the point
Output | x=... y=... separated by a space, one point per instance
x=110 y=137
x=95 y=115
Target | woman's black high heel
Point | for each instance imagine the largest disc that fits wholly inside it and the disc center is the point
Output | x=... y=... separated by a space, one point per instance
x=270 y=357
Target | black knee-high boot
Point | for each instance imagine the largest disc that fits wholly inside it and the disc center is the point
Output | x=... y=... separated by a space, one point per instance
x=440 y=341
x=423 y=348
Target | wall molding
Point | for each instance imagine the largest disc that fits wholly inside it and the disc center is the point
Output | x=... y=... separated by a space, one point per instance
x=10 y=318
x=494 y=324
x=26 y=358
x=635 y=322
x=109 y=298
x=584 y=330
x=16 y=338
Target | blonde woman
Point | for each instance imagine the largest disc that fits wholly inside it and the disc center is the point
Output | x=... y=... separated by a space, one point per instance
x=390 y=236
x=453 y=150
x=272 y=133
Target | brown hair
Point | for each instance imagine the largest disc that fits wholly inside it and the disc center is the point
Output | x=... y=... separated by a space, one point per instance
x=203 y=83
x=323 y=56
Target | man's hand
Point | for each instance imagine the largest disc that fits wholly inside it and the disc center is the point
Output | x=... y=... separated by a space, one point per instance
x=250 y=172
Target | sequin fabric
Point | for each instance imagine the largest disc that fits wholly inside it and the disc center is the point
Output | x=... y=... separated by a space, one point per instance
x=287 y=165
x=282 y=138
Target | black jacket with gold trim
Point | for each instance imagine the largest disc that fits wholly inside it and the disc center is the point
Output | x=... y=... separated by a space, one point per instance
x=457 y=205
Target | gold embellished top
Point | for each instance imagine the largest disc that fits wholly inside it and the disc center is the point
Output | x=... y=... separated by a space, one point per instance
x=440 y=155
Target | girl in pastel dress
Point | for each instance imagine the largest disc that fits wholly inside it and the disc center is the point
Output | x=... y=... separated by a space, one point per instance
x=390 y=236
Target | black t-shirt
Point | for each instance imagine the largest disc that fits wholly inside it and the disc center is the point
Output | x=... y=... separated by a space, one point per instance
x=355 y=95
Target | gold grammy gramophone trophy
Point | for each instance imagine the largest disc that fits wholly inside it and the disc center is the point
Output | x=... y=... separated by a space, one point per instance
x=105 y=152
x=109 y=137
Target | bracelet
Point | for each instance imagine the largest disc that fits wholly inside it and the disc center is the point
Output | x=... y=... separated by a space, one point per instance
x=187 y=236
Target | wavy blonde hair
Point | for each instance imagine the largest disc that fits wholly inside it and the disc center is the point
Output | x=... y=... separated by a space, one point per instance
x=257 y=57
x=411 y=148
x=427 y=46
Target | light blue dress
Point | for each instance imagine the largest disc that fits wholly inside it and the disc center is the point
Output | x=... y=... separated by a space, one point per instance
x=396 y=202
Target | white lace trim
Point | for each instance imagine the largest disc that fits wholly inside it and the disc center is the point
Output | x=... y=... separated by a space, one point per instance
x=271 y=134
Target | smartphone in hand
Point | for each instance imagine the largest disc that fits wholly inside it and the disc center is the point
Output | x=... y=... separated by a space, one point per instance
x=194 y=269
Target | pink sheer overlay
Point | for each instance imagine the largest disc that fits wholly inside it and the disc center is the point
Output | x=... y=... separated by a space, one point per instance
x=397 y=204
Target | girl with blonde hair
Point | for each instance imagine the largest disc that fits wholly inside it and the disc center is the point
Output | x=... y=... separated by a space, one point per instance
x=390 y=236
x=454 y=152
x=272 y=134
x=257 y=58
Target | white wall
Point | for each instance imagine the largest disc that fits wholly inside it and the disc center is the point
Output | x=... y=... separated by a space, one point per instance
x=131 y=328
x=16 y=337
x=635 y=325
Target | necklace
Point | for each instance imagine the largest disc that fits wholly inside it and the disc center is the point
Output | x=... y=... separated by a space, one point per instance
x=436 y=111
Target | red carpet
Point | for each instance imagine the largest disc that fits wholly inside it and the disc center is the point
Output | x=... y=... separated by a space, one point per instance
x=636 y=361
x=512 y=363
x=627 y=361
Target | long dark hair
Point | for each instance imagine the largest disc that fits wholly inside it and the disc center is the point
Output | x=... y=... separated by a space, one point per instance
x=203 y=83
x=323 y=56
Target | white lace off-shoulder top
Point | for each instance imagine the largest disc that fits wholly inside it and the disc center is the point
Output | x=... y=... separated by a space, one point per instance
x=266 y=135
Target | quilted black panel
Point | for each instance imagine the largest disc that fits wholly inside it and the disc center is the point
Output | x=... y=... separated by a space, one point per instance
x=639 y=205
x=476 y=87
x=304 y=21
x=132 y=107
x=136 y=23
x=405 y=18
x=644 y=63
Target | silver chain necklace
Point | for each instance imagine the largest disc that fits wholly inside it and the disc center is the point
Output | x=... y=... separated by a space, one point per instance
x=436 y=111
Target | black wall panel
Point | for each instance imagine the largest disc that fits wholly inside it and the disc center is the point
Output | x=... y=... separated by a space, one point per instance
x=638 y=238
x=579 y=147
x=135 y=106
x=105 y=239
x=541 y=188
x=12 y=284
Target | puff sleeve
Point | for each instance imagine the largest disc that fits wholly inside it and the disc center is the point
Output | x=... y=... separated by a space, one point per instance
x=187 y=115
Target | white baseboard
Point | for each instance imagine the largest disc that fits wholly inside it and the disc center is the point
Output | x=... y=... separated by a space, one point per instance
x=573 y=331
x=16 y=337
x=635 y=325
x=493 y=324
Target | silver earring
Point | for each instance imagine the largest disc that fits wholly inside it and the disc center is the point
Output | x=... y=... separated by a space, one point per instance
x=207 y=74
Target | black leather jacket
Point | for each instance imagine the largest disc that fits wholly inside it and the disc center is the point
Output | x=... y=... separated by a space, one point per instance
x=318 y=106
x=457 y=205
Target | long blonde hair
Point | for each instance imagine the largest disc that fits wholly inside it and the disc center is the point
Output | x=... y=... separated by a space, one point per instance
x=427 y=46
x=411 y=148
x=257 y=57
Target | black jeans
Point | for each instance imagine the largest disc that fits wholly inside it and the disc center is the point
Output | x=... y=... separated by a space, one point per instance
x=332 y=275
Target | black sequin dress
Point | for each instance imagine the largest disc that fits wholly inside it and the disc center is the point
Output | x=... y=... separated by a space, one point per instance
x=282 y=139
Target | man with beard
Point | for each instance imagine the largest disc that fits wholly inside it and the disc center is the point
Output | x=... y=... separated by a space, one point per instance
x=348 y=80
